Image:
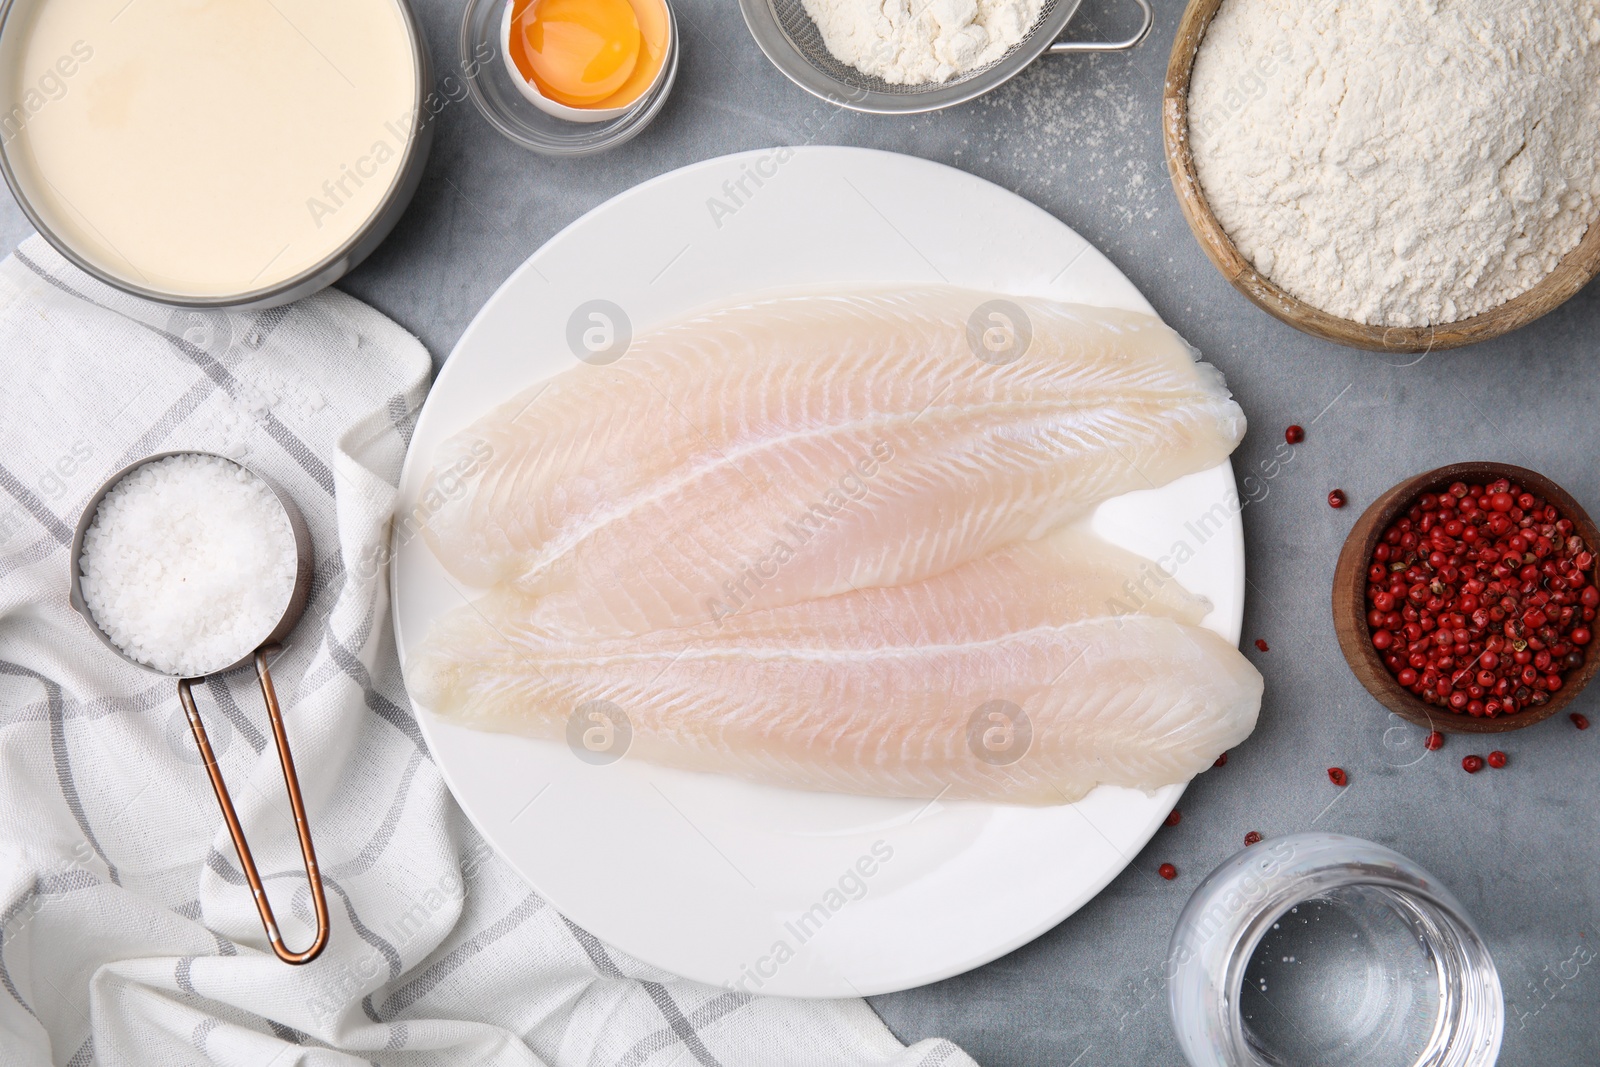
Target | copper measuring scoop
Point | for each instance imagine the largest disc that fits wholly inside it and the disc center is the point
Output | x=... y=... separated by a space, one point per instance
x=291 y=615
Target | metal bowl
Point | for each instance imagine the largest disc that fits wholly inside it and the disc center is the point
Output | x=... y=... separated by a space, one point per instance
x=334 y=266
x=304 y=564
x=795 y=46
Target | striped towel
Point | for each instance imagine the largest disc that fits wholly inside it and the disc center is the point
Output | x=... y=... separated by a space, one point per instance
x=126 y=932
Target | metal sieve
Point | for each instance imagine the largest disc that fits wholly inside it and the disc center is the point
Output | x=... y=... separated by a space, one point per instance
x=792 y=41
x=259 y=657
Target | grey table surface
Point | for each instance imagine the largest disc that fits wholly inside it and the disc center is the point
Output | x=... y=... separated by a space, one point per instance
x=1080 y=136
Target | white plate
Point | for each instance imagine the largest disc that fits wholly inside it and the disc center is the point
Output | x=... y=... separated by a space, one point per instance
x=707 y=876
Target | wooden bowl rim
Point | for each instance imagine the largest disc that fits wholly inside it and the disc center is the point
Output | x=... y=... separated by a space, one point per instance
x=1349 y=597
x=1576 y=269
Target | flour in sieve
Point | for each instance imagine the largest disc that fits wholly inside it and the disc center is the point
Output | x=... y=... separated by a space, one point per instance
x=914 y=42
x=1401 y=162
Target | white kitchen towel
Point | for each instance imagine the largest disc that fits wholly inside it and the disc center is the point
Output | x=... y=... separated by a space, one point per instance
x=127 y=934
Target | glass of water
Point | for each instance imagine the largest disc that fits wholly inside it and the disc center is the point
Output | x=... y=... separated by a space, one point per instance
x=1319 y=949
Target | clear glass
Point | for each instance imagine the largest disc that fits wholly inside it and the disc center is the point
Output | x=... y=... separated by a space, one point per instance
x=508 y=111
x=1321 y=949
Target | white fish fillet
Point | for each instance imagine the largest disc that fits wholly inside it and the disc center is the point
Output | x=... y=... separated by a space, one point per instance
x=876 y=691
x=803 y=447
x=1067 y=576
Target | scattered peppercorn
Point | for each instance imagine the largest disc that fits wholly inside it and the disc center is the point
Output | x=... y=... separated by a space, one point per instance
x=1580 y=721
x=1337 y=776
x=1221 y=760
x=1174 y=817
x=1480 y=599
x=1336 y=498
x=1434 y=742
x=1472 y=764
x=1497 y=759
x=1252 y=838
x=1261 y=643
x=1167 y=871
x=1294 y=434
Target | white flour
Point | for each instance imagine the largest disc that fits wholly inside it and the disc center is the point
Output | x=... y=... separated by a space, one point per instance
x=913 y=42
x=1401 y=162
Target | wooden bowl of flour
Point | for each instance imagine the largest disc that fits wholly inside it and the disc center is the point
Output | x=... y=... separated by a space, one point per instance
x=1574 y=271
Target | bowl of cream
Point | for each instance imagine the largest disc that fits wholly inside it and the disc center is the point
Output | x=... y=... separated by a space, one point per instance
x=211 y=154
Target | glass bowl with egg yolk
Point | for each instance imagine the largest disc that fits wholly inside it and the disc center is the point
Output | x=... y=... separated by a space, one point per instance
x=585 y=60
x=504 y=96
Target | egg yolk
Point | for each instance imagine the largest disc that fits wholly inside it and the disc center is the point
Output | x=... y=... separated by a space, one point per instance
x=578 y=51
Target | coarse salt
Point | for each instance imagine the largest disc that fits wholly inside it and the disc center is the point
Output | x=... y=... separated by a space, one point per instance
x=189 y=563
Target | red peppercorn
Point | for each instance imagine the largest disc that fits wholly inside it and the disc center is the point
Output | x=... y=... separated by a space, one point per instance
x=1221 y=760
x=1579 y=720
x=1434 y=742
x=1261 y=643
x=1336 y=498
x=1472 y=764
x=1252 y=838
x=1294 y=434
x=1174 y=817
x=1497 y=759
x=1167 y=871
x=1337 y=776
x=1476 y=610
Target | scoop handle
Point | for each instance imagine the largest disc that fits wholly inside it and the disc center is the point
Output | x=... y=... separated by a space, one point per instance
x=292 y=782
x=1112 y=46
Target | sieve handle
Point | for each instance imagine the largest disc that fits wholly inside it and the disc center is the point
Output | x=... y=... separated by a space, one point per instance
x=292 y=783
x=1112 y=46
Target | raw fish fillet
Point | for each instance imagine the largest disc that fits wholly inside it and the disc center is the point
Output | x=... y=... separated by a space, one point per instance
x=803 y=447
x=1067 y=576
x=883 y=691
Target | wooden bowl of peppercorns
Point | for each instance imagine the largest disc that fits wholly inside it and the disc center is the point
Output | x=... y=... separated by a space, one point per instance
x=1464 y=598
